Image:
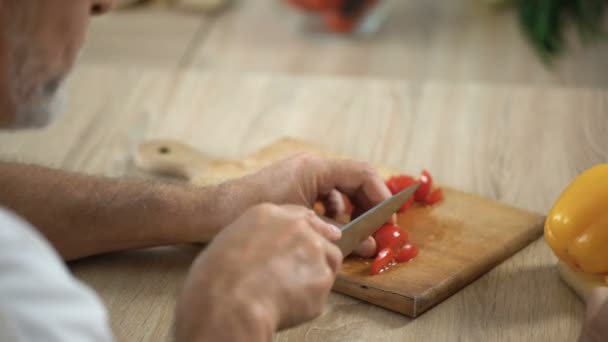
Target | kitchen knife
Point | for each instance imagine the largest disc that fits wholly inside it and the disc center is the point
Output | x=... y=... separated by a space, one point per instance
x=365 y=225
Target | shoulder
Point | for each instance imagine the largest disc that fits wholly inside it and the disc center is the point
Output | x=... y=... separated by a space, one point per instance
x=39 y=298
x=18 y=233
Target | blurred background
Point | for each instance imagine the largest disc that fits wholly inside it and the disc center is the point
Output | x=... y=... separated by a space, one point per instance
x=440 y=40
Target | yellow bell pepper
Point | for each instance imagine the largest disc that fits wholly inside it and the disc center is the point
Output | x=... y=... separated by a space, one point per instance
x=577 y=225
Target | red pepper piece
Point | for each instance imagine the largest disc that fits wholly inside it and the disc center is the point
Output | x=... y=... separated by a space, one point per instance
x=396 y=184
x=407 y=252
x=384 y=259
x=434 y=197
x=426 y=183
x=390 y=236
x=406 y=205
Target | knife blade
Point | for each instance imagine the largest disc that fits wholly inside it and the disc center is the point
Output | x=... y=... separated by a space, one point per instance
x=365 y=225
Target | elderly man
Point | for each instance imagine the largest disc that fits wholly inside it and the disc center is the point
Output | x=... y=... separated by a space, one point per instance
x=292 y=263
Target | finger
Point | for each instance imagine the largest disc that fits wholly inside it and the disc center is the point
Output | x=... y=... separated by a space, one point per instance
x=328 y=230
x=334 y=256
x=356 y=179
x=334 y=204
x=367 y=248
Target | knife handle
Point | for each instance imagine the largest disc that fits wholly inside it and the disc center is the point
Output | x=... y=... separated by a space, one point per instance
x=171 y=158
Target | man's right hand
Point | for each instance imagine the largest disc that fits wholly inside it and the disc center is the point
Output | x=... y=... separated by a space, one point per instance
x=271 y=269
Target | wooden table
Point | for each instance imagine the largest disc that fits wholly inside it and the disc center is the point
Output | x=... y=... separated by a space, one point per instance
x=517 y=144
x=450 y=89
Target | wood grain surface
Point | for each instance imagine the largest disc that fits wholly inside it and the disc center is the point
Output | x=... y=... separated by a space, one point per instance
x=517 y=144
x=453 y=236
x=449 y=86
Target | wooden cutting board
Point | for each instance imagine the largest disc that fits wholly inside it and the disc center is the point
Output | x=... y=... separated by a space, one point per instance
x=460 y=239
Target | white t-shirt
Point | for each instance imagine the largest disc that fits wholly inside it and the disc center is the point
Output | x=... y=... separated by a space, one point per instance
x=39 y=299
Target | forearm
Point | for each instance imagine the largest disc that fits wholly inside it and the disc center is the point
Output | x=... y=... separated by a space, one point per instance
x=84 y=215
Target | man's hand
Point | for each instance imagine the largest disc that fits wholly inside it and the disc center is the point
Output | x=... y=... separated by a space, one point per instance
x=304 y=179
x=595 y=328
x=271 y=269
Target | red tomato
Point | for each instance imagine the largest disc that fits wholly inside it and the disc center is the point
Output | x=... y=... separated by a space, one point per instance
x=426 y=183
x=398 y=183
x=434 y=197
x=390 y=236
x=406 y=205
x=384 y=258
x=407 y=252
x=391 y=185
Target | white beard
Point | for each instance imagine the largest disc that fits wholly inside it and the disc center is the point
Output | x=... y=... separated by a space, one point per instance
x=40 y=109
x=36 y=103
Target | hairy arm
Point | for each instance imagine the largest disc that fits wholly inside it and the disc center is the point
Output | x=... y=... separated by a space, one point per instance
x=85 y=215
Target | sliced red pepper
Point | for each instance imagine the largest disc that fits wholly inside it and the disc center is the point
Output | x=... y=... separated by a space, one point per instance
x=426 y=183
x=384 y=259
x=407 y=252
x=406 y=205
x=434 y=197
x=398 y=183
x=390 y=236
